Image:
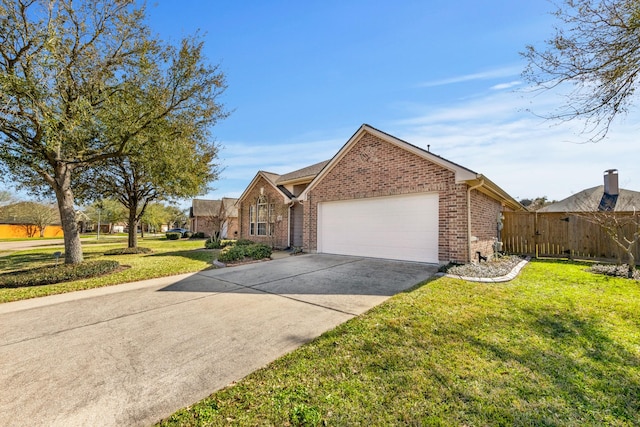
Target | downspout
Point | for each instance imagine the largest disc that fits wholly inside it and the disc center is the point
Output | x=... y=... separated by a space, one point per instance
x=291 y=204
x=289 y=224
x=469 y=216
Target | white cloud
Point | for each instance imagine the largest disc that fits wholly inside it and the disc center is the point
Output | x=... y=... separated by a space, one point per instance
x=503 y=86
x=493 y=134
x=525 y=155
x=485 y=75
x=242 y=160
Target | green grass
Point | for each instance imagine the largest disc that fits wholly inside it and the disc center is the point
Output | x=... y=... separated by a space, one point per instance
x=169 y=257
x=557 y=346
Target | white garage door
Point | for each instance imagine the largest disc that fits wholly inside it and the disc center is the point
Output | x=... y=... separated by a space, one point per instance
x=399 y=227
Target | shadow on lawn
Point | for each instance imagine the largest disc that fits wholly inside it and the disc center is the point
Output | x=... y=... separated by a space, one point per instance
x=26 y=261
x=194 y=254
x=573 y=370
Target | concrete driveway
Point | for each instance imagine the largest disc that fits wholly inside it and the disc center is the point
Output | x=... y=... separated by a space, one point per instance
x=133 y=354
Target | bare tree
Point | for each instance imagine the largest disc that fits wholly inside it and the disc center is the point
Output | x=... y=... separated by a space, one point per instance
x=34 y=217
x=619 y=218
x=596 y=50
x=535 y=203
x=5 y=198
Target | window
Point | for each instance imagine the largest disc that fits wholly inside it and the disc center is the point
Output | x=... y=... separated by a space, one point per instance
x=272 y=209
x=262 y=216
x=252 y=220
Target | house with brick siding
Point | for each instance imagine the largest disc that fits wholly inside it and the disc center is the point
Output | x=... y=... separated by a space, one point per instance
x=209 y=216
x=380 y=197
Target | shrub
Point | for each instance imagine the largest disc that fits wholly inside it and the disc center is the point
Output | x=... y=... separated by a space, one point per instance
x=56 y=274
x=244 y=242
x=258 y=251
x=232 y=253
x=173 y=236
x=187 y=234
x=239 y=252
x=198 y=235
x=128 y=251
x=212 y=244
x=217 y=244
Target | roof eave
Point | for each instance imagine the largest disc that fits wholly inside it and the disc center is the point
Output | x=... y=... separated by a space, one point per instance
x=302 y=180
x=493 y=190
x=261 y=174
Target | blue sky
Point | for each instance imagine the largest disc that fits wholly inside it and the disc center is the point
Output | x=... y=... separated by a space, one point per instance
x=304 y=75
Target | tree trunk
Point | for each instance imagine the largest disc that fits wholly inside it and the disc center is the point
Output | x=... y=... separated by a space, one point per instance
x=64 y=196
x=133 y=228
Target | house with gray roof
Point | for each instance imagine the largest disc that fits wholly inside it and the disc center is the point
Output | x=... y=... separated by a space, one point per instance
x=378 y=196
x=215 y=216
x=608 y=197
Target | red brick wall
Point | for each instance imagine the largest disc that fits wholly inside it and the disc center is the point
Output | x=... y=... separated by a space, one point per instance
x=372 y=168
x=484 y=218
x=280 y=237
x=232 y=228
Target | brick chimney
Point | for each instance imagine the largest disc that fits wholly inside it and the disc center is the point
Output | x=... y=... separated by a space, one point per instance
x=611 y=182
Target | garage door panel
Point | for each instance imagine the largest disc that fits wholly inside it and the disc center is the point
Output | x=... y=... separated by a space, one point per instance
x=399 y=227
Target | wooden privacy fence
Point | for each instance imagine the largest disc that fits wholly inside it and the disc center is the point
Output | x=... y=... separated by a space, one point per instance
x=566 y=235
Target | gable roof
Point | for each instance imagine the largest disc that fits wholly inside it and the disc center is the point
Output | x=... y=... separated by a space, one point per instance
x=462 y=174
x=300 y=176
x=271 y=178
x=202 y=207
x=594 y=199
x=230 y=207
x=305 y=174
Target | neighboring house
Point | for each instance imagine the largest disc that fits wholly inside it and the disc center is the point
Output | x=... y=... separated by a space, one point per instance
x=229 y=210
x=608 y=197
x=208 y=216
x=379 y=196
x=24 y=219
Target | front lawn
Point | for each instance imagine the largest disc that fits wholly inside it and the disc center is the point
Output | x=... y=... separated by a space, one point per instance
x=169 y=257
x=557 y=346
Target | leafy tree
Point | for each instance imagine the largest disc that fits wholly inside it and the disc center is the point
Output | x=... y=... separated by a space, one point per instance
x=155 y=215
x=177 y=217
x=106 y=211
x=173 y=161
x=79 y=83
x=597 y=50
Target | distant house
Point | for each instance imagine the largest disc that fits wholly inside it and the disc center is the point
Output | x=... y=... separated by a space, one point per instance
x=229 y=208
x=209 y=216
x=30 y=219
x=381 y=197
x=608 y=197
